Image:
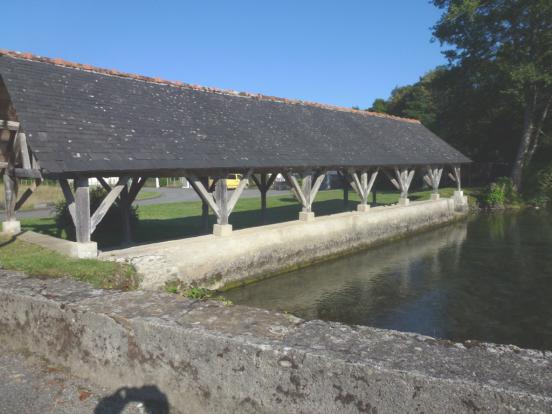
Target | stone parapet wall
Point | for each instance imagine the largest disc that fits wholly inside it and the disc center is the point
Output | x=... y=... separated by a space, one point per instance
x=206 y=357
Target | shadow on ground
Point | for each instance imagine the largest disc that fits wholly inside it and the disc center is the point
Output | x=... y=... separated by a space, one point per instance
x=151 y=399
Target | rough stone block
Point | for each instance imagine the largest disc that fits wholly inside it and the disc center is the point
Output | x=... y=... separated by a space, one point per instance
x=435 y=196
x=11 y=227
x=306 y=216
x=363 y=207
x=85 y=250
x=222 y=230
x=403 y=201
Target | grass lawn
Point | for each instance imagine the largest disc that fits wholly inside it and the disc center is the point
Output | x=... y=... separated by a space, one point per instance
x=176 y=220
x=40 y=262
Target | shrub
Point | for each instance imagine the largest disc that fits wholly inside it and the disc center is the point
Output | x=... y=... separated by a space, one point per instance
x=110 y=226
x=543 y=195
x=501 y=193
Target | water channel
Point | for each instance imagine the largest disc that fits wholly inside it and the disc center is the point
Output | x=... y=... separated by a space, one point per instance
x=488 y=278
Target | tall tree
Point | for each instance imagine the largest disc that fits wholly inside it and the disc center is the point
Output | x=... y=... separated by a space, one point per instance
x=513 y=39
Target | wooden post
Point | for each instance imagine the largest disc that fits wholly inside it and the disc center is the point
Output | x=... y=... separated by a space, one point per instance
x=82 y=210
x=221 y=197
x=204 y=208
x=307 y=188
x=11 y=188
x=263 y=189
x=264 y=184
x=125 y=215
x=345 y=194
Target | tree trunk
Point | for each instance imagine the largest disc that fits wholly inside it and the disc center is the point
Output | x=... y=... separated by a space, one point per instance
x=525 y=144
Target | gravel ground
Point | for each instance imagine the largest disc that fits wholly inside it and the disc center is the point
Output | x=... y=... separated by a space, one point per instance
x=31 y=385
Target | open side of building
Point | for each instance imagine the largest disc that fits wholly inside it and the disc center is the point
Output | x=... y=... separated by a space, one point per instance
x=67 y=121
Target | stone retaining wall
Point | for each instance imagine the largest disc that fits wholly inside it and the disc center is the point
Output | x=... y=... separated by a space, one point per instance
x=254 y=253
x=210 y=358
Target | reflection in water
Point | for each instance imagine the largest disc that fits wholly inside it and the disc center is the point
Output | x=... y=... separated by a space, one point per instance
x=489 y=279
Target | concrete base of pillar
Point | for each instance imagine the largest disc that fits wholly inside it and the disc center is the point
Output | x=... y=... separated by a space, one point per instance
x=222 y=229
x=435 y=196
x=460 y=200
x=85 y=250
x=306 y=216
x=363 y=207
x=11 y=227
x=403 y=201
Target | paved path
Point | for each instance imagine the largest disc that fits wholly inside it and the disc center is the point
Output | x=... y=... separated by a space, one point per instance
x=168 y=195
x=30 y=385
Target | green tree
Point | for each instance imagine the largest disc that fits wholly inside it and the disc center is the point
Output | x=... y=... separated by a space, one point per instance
x=511 y=40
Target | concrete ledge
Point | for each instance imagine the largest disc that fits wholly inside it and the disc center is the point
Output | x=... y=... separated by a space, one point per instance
x=67 y=247
x=11 y=227
x=362 y=208
x=207 y=357
x=435 y=196
x=254 y=253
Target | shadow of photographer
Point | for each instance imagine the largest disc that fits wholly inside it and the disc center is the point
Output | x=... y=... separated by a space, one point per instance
x=153 y=400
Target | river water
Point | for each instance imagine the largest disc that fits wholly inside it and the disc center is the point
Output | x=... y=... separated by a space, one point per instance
x=488 y=278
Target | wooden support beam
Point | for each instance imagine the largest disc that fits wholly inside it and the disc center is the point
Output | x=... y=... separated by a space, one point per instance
x=306 y=193
x=202 y=192
x=28 y=192
x=362 y=185
x=433 y=178
x=457 y=178
x=11 y=188
x=205 y=208
x=68 y=194
x=238 y=191
x=392 y=179
x=27 y=173
x=221 y=197
x=316 y=186
x=104 y=184
x=264 y=185
x=24 y=151
x=82 y=210
x=106 y=203
x=10 y=125
x=298 y=192
x=125 y=203
x=136 y=186
x=402 y=180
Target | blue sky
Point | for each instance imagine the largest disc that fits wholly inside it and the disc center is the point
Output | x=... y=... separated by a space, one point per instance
x=338 y=52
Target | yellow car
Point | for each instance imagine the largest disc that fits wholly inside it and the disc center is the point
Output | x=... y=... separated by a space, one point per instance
x=232 y=181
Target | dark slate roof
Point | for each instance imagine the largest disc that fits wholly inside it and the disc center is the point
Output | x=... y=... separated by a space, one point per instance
x=78 y=119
